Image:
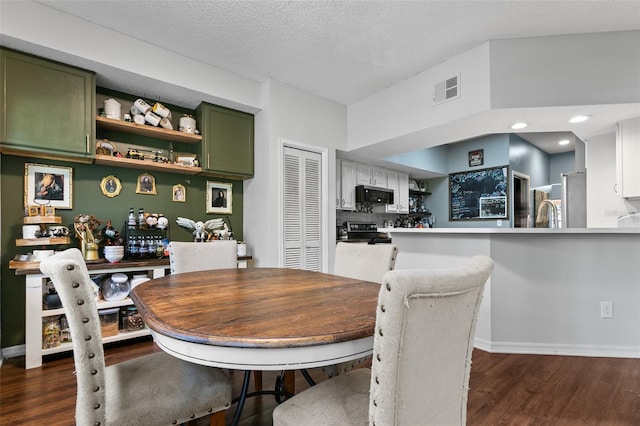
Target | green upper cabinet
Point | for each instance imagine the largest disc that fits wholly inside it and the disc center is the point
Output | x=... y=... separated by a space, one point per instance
x=47 y=108
x=227 y=141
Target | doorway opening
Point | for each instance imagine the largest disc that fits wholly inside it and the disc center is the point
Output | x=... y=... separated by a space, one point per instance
x=521 y=204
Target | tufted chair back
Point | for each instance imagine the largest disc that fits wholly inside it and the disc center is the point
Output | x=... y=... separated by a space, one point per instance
x=154 y=389
x=78 y=295
x=362 y=261
x=425 y=326
x=191 y=256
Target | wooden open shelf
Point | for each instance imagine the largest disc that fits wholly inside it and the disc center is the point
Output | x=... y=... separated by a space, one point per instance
x=24 y=242
x=108 y=160
x=37 y=220
x=145 y=130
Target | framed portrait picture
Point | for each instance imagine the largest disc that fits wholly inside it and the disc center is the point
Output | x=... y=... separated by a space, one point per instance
x=110 y=186
x=48 y=185
x=476 y=158
x=179 y=193
x=146 y=184
x=219 y=197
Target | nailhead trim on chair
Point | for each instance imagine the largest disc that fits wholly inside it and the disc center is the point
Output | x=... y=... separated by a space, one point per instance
x=78 y=290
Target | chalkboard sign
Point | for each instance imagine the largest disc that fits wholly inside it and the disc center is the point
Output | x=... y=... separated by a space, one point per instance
x=479 y=194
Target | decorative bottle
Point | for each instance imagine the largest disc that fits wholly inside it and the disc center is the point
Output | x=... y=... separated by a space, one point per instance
x=131 y=222
x=142 y=224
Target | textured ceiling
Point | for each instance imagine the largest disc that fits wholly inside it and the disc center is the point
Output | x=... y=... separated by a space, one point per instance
x=342 y=50
x=348 y=50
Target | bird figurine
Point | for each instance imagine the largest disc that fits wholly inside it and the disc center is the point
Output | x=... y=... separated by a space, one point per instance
x=201 y=230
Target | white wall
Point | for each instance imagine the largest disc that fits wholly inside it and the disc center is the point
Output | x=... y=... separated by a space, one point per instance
x=303 y=119
x=408 y=107
x=565 y=70
x=435 y=251
x=604 y=206
x=545 y=291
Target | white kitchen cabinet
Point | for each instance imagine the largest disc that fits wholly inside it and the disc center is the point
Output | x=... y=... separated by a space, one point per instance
x=628 y=158
x=399 y=183
x=346 y=185
x=403 y=192
x=371 y=175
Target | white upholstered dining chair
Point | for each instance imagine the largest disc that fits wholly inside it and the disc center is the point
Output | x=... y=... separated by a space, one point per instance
x=155 y=389
x=192 y=256
x=425 y=326
x=361 y=261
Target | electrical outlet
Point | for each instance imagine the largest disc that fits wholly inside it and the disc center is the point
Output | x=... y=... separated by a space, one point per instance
x=498 y=222
x=606 y=309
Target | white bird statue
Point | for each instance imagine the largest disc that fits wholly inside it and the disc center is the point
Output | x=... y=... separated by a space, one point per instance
x=201 y=230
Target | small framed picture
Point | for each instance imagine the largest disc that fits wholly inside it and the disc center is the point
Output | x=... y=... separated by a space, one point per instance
x=476 y=158
x=146 y=184
x=47 y=211
x=110 y=186
x=179 y=193
x=493 y=207
x=33 y=210
x=219 y=197
x=50 y=185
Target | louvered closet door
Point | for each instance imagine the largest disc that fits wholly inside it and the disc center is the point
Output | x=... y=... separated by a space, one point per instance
x=302 y=177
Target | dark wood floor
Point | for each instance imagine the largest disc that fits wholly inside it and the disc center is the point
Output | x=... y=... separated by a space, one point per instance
x=505 y=390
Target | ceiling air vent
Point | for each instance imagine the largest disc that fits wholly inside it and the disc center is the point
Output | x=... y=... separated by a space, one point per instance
x=446 y=90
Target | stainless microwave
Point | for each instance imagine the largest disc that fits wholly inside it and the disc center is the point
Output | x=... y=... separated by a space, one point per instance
x=373 y=195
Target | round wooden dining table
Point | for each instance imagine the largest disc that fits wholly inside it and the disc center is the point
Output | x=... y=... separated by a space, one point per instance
x=260 y=318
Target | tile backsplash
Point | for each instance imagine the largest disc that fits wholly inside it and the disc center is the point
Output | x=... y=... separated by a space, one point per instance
x=343 y=216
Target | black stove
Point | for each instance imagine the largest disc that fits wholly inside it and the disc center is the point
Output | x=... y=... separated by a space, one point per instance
x=365 y=232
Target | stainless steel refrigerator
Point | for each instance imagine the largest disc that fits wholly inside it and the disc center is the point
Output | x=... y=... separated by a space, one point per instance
x=574 y=200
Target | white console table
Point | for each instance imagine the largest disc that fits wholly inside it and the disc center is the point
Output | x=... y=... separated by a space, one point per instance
x=35 y=289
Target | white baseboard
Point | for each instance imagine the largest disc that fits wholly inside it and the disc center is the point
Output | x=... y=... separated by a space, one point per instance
x=606 y=351
x=13 y=351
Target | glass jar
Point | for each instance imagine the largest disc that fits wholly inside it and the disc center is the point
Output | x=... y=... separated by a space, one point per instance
x=116 y=287
x=132 y=319
x=50 y=333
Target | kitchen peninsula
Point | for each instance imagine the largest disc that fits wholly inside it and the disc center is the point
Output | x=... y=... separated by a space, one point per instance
x=547 y=287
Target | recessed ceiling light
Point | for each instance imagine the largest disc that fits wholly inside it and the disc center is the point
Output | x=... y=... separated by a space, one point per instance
x=563 y=142
x=519 y=126
x=579 y=118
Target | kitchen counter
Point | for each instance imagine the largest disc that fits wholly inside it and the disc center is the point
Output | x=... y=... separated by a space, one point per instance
x=547 y=286
x=510 y=230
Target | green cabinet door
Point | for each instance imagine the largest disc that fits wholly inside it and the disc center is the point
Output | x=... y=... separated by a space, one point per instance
x=227 y=141
x=46 y=107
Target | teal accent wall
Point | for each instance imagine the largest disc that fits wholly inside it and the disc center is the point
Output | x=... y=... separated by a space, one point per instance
x=88 y=199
